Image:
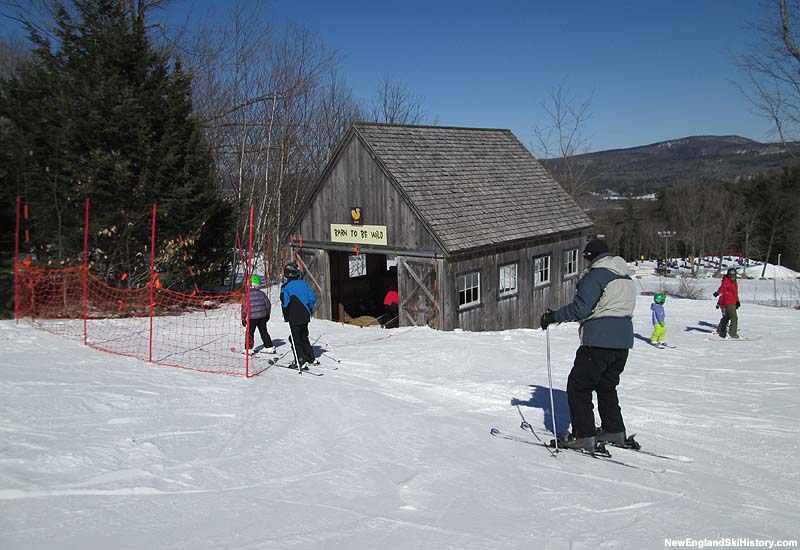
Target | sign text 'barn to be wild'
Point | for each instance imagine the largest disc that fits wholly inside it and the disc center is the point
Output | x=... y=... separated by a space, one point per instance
x=358 y=234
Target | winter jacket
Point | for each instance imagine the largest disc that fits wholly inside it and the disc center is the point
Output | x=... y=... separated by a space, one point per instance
x=297 y=302
x=604 y=301
x=391 y=298
x=728 y=292
x=658 y=314
x=259 y=305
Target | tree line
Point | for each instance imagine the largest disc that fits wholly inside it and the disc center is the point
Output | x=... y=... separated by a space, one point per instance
x=104 y=101
x=759 y=219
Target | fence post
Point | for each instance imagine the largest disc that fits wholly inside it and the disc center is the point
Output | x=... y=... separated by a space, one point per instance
x=16 y=265
x=248 y=271
x=85 y=270
x=152 y=276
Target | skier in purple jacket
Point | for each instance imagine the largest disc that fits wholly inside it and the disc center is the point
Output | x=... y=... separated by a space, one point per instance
x=259 y=315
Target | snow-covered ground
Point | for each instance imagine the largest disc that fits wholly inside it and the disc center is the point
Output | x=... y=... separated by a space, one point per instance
x=781 y=287
x=393 y=450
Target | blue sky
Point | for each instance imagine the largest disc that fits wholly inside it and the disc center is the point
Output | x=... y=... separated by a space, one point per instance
x=657 y=70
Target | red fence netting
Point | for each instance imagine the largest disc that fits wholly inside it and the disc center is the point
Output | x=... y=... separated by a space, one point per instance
x=192 y=332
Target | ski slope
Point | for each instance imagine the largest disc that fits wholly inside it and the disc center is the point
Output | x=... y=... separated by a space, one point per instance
x=393 y=450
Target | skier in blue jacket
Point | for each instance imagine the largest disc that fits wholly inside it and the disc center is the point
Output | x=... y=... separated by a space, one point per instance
x=297 y=304
x=604 y=301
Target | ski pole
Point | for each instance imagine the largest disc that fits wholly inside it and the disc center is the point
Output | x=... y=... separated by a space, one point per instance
x=330 y=348
x=294 y=352
x=550 y=381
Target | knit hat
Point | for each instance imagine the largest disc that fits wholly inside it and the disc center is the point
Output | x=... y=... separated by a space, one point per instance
x=595 y=248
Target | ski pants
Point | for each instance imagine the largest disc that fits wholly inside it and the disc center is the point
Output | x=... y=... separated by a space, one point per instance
x=595 y=370
x=302 y=347
x=729 y=315
x=261 y=324
x=659 y=332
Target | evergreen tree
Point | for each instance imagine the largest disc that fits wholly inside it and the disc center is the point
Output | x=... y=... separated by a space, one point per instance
x=778 y=200
x=99 y=112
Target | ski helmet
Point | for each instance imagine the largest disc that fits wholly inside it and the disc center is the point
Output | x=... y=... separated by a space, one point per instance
x=660 y=298
x=595 y=248
x=255 y=280
x=291 y=271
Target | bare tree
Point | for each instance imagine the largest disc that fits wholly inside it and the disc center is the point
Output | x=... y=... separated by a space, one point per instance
x=725 y=208
x=275 y=107
x=395 y=103
x=772 y=69
x=561 y=137
x=13 y=52
x=687 y=210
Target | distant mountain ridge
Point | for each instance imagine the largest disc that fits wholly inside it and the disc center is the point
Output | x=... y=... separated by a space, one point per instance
x=650 y=168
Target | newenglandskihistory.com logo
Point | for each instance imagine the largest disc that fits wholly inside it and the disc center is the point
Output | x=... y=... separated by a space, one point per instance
x=725 y=542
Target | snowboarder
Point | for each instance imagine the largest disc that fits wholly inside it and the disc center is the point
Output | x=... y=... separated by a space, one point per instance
x=258 y=312
x=659 y=321
x=728 y=303
x=604 y=301
x=297 y=303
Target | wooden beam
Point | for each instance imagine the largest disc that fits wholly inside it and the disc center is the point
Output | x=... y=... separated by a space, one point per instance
x=419 y=281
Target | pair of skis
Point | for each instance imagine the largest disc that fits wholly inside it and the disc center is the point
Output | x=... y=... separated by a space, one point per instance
x=601 y=454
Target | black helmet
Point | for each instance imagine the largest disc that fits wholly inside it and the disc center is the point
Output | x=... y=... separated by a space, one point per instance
x=291 y=271
x=595 y=248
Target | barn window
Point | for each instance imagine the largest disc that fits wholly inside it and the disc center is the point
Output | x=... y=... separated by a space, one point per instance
x=541 y=270
x=570 y=262
x=508 y=280
x=357 y=265
x=469 y=289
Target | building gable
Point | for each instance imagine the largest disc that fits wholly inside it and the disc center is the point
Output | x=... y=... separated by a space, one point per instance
x=355 y=179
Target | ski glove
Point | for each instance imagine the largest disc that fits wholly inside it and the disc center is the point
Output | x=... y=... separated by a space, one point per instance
x=244 y=322
x=737 y=304
x=716 y=294
x=717 y=306
x=547 y=319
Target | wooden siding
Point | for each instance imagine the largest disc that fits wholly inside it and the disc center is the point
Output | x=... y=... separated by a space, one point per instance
x=521 y=310
x=316 y=264
x=358 y=180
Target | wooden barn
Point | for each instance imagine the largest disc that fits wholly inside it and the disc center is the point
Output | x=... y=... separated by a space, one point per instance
x=464 y=223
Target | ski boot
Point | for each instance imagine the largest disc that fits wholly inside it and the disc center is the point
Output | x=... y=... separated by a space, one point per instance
x=582 y=444
x=617 y=439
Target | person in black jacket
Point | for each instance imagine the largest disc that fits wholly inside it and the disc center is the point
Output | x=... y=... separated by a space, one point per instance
x=297 y=304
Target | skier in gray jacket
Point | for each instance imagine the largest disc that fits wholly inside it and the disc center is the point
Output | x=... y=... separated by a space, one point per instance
x=604 y=301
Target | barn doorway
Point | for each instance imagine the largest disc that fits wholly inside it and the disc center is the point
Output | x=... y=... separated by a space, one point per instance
x=359 y=283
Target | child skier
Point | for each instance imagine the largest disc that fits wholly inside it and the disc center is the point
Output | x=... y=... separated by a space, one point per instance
x=659 y=321
x=259 y=315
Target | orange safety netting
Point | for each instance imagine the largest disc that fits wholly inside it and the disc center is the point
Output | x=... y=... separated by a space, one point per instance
x=181 y=330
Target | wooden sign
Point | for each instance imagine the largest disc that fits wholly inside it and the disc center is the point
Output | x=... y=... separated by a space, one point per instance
x=359 y=234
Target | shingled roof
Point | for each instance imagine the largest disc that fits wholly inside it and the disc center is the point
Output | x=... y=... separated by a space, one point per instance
x=473 y=187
